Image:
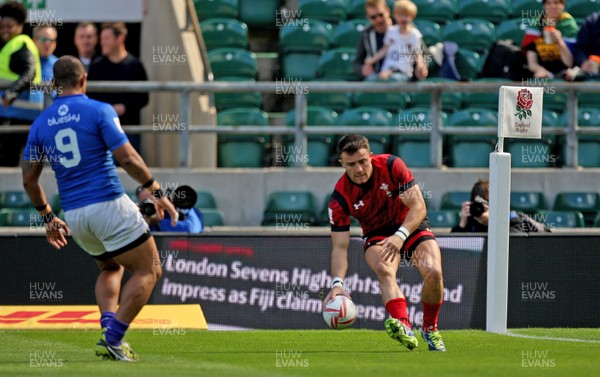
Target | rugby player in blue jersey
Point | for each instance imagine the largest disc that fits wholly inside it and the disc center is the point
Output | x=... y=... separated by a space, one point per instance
x=78 y=137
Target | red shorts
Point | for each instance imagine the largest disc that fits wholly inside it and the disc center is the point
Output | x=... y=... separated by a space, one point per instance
x=423 y=233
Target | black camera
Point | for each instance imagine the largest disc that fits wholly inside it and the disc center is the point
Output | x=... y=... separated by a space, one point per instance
x=477 y=208
x=183 y=197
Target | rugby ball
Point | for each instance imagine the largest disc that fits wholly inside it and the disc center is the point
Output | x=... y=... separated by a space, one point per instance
x=339 y=313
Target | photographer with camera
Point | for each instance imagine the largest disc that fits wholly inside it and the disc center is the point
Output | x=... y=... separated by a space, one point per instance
x=183 y=198
x=474 y=215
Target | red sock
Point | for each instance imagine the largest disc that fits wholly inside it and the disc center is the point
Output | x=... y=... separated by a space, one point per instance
x=397 y=309
x=430 y=315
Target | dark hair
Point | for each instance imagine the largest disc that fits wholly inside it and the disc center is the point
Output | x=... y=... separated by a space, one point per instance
x=86 y=24
x=15 y=10
x=482 y=189
x=67 y=72
x=118 y=28
x=563 y=2
x=351 y=143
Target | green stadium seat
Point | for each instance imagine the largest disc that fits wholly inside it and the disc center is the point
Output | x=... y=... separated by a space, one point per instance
x=318 y=146
x=14 y=199
x=588 y=203
x=589 y=145
x=338 y=64
x=20 y=217
x=314 y=36
x=347 y=34
x=440 y=11
x=513 y=29
x=236 y=62
x=300 y=65
x=431 y=30
x=472 y=151
x=560 y=219
x=589 y=99
x=443 y=218
x=526 y=9
x=491 y=10
x=225 y=101
x=453 y=200
x=217 y=8
x=224 y=32
x=357 y=8
x=328 y=10
x=290 y=207
x=597 y=221
x=487 y=100
x=468 y=64
x=470 y=33
x=264 y=15
x=206 y=199
x=582 y=8
x=450 y=100
x=246 y=151
x=369 y=116
x=391 y=100
x=338 y=101
x=415 y=150
x=527 y=202
x=553 y=100
x=212 y=216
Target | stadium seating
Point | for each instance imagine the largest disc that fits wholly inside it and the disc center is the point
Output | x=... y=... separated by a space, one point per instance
x=301 y=47
x=527 y=202
x=212 y=216
x=589 y=145
x=290 y=207
x=242 y=150
x=338 y=64
x=318 y=146
x=470 y=33
x=443 y=218
x=233 y=100
x=553 y=100
x=327 y=10
x=588 y=203
x=348 y=33
x=526 y=8
x=491 y=10
x=472 y=151
x=453 y=200
x=597 y=221
x=487 y=100
x=205 y=200
x=560 y=219
x=431 y=30
x=582 y=8
x=217 y=8
x=357 y=8
x=338 y=101
x=392 y=100
x=468 y=64
x=224 y=32
x=236 y=62
x=14 y=199
x=513 y=29
x=415 y=150
x=19 y=217
x=450 y=100
x=440 y=11
x=369 y=116
x=264 y=15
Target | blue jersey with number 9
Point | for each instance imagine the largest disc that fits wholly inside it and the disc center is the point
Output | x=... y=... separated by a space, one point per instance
x=76 y=136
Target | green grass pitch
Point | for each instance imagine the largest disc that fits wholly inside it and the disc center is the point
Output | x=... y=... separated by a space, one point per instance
x=301 y=353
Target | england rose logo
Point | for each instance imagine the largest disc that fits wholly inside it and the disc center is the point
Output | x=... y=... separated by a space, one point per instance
x=524 y=103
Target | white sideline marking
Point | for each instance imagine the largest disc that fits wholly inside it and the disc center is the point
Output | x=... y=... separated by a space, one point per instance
x=509 y=333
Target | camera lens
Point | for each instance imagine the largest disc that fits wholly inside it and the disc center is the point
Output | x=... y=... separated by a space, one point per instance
x=147 y=207
x=476 y=209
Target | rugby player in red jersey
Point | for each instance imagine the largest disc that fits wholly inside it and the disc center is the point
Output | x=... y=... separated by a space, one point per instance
x=381 y=193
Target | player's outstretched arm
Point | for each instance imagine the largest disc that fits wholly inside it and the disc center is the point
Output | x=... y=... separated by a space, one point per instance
x=339 y=264
x=135 y=166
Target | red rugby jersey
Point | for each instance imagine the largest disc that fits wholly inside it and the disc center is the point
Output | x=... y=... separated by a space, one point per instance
x=375 y=204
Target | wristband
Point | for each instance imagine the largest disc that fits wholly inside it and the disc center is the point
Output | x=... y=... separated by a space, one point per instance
x=48 y=217
x=41 y=208
x=403 y=233
x=337 y=282
x=149 y=183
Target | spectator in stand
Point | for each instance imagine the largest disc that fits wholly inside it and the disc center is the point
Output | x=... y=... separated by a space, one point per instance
x=19 y=68
x=45 y=39
x=117 y=64
x=587 y=51
x=371 y=39
x=403 y=47
x=86 y=40
x=548 y=40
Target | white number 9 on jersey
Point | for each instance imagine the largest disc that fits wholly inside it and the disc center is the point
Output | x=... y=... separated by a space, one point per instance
x=66 y=142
